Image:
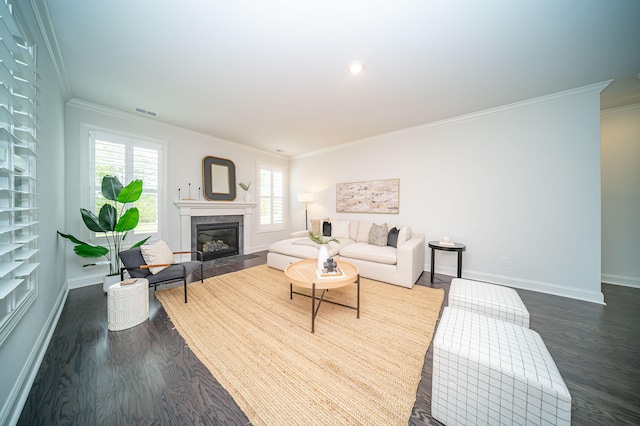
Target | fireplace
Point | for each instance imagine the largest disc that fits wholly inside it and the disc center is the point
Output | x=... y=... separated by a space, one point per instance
x=217 y=240
x=217 y=236
x=194 y=213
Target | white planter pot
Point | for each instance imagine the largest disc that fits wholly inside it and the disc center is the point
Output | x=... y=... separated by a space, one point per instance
x=109 y=280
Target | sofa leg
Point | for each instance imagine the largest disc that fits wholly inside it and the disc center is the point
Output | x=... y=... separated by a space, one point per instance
x=185 y=290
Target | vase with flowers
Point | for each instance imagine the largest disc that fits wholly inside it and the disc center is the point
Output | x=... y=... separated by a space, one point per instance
x=322 y=242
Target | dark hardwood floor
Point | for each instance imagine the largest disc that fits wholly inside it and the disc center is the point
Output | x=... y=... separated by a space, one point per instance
x=147 y=376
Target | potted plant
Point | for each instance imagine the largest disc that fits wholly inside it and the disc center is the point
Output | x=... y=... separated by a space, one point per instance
x=115 y=221
x=322 y=240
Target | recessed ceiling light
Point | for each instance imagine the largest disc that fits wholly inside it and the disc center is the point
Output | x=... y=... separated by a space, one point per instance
x=279 y=150
x=356 y=67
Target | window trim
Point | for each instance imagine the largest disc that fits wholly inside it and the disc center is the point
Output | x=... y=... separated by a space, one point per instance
x=145 y=142
x=285 y=217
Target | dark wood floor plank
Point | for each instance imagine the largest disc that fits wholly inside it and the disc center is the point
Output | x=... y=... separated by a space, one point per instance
x=147 y=375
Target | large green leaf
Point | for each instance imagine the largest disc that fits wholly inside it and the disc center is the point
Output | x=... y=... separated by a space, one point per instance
x=130 y=193
x=89 y=250
x=91 y=220
x=111 y=187
x=71 y=237
x=85 y=249
x=108 y=217
x=139 y=243
x=128 y=221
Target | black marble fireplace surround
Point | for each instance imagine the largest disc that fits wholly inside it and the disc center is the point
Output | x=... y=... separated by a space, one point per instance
x=217 y=236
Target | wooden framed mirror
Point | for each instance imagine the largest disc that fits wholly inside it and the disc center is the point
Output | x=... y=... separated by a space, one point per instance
x=219 y=179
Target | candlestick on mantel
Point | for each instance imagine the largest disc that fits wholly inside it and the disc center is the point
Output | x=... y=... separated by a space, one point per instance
x=191 y=199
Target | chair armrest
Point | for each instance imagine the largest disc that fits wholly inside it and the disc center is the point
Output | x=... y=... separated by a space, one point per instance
x=155 y=265
x=198 y=253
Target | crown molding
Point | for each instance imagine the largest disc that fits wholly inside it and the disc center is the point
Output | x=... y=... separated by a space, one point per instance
x=546 y=99
x=45 y=25
x=100 y=109
x=612 y=112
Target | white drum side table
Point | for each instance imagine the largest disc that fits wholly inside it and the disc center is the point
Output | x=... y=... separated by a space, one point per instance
x=127 y=305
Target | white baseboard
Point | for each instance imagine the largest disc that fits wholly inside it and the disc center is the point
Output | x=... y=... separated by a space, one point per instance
x=85 y=281
x=540 y=287
x=258 y=248
x=621 y=280
x=18 y=396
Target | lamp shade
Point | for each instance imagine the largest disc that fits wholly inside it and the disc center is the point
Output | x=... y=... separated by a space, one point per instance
x=305 y=197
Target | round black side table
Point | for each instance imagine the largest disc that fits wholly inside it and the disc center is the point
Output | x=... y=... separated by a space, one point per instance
x=457 y=247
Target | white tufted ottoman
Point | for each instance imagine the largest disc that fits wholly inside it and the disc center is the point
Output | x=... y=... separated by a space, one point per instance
x=127 y=305
x=489 y=372
x=488 y=299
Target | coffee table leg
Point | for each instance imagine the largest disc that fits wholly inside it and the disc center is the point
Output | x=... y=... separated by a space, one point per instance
x=313 y=307
x=358 y=300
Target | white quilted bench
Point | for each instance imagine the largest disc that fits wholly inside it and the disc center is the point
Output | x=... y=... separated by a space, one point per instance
x=490 y=372
x=488 y=299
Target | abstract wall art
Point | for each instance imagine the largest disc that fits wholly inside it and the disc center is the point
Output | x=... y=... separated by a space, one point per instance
x=373 y=196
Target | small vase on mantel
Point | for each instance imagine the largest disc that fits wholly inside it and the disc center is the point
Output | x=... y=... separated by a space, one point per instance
x=323 y=255
x=247 y=197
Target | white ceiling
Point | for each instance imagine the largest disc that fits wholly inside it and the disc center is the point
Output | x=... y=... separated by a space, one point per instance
x=273 y=75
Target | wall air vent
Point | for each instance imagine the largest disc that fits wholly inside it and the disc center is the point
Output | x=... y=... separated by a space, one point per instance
x=144 y=111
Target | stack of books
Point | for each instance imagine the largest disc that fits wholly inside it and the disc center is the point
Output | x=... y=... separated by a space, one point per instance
x=336 y=273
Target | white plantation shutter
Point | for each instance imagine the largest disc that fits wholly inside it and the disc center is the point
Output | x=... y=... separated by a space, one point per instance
x=129 y=158
x=18 y=179
x=271 y=196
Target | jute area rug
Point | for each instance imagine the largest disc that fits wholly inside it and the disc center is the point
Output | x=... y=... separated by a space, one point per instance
x=257 y=343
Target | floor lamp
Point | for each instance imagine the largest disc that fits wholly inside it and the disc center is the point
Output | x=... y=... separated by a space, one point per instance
x=306 y=198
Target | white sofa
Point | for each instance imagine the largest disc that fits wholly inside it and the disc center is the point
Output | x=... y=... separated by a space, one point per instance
x=401 y=265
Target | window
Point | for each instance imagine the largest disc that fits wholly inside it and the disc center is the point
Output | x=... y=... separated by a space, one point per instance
x=18 y=178
x=271 y=196
x=129 y=158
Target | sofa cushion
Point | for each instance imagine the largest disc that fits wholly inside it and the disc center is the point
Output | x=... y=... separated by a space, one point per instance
x=340 y=229
x=316 y=225
x=404 y=235
x=304 y=248
x=363 y=232
x=326 y=228
x=371 y=253
x=157 y=253
x=392 y=238
x=353 y=229
x=378 y=235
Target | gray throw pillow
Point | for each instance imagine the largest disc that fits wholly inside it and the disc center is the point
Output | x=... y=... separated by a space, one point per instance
x=326 y=229
x=378 y=235
x=392 y=239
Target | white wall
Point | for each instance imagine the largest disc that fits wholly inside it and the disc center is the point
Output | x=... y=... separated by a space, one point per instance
x=184 y=152
x=620 y=129
x=21 y=353
x=520 y=181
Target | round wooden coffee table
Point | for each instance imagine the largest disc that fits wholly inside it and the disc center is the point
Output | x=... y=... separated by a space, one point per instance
x=303 y=274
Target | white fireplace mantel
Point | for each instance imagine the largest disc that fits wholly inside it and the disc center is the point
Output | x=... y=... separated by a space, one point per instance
x=189 y=208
